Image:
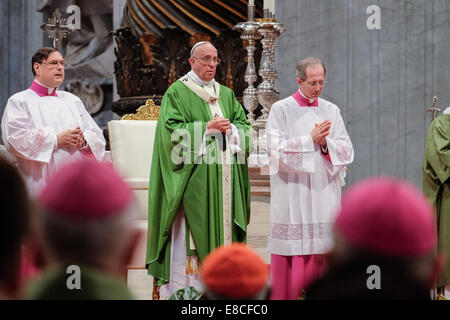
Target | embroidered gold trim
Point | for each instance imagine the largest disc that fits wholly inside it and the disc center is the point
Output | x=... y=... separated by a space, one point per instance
x=192 y=265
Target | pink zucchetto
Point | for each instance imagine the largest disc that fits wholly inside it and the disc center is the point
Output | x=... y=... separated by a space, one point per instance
x=387 y=216
x=86 y=189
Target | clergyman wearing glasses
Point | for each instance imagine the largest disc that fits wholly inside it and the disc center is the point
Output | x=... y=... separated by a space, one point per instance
x=199 y=195
x=309 y=149
x=43 y=127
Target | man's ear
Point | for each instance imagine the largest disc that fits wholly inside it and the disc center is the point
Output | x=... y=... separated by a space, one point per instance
x=36 y=67
x=191 y=62
x=299 y=81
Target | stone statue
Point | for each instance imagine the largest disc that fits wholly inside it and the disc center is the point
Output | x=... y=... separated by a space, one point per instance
x=96 y=25
x=89 y=53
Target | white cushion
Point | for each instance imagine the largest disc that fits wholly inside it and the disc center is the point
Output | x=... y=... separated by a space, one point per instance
x=131 y=143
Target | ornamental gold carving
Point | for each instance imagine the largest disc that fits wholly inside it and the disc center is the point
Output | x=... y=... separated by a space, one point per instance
x=149 y=111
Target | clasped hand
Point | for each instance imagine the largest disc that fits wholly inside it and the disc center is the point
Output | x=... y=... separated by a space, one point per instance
x=71 y=139
x=219 y=124
x=320 y=132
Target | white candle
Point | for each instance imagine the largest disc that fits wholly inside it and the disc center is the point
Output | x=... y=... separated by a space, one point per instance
x=251 y=2
x=272 y=6
x=266 y=4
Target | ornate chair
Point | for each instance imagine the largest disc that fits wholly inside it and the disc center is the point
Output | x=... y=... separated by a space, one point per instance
x=131 y=142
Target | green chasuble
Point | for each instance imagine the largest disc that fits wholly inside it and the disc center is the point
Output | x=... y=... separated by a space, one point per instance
x=194 y=183
x=436 y=183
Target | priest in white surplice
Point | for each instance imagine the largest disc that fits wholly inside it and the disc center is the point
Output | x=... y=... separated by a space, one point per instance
x=309 y=149
x=44 y=127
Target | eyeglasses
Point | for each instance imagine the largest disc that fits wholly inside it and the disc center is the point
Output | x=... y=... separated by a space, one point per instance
x=54 y=64
x=315 y=83
x=208 y=60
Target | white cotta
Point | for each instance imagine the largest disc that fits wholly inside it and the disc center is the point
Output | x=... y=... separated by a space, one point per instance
x=305 y=187
x=30 y=125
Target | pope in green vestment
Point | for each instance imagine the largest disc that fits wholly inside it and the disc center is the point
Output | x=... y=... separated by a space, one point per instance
x=436 y=184
x=194 y=184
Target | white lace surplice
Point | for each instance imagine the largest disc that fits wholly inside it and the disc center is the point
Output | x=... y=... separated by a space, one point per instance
x=305 y=187
x=29 y=127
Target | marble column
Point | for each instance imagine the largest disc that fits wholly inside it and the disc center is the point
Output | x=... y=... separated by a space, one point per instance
x=117 y=19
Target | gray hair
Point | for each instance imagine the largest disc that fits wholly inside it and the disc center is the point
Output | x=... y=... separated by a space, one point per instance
x=307 y=62
x=91 y=242
x=198 y=44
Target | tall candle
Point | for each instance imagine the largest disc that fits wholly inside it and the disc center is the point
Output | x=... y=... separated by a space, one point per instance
x=251 y=10
x=272 y=6
x=266 y=4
